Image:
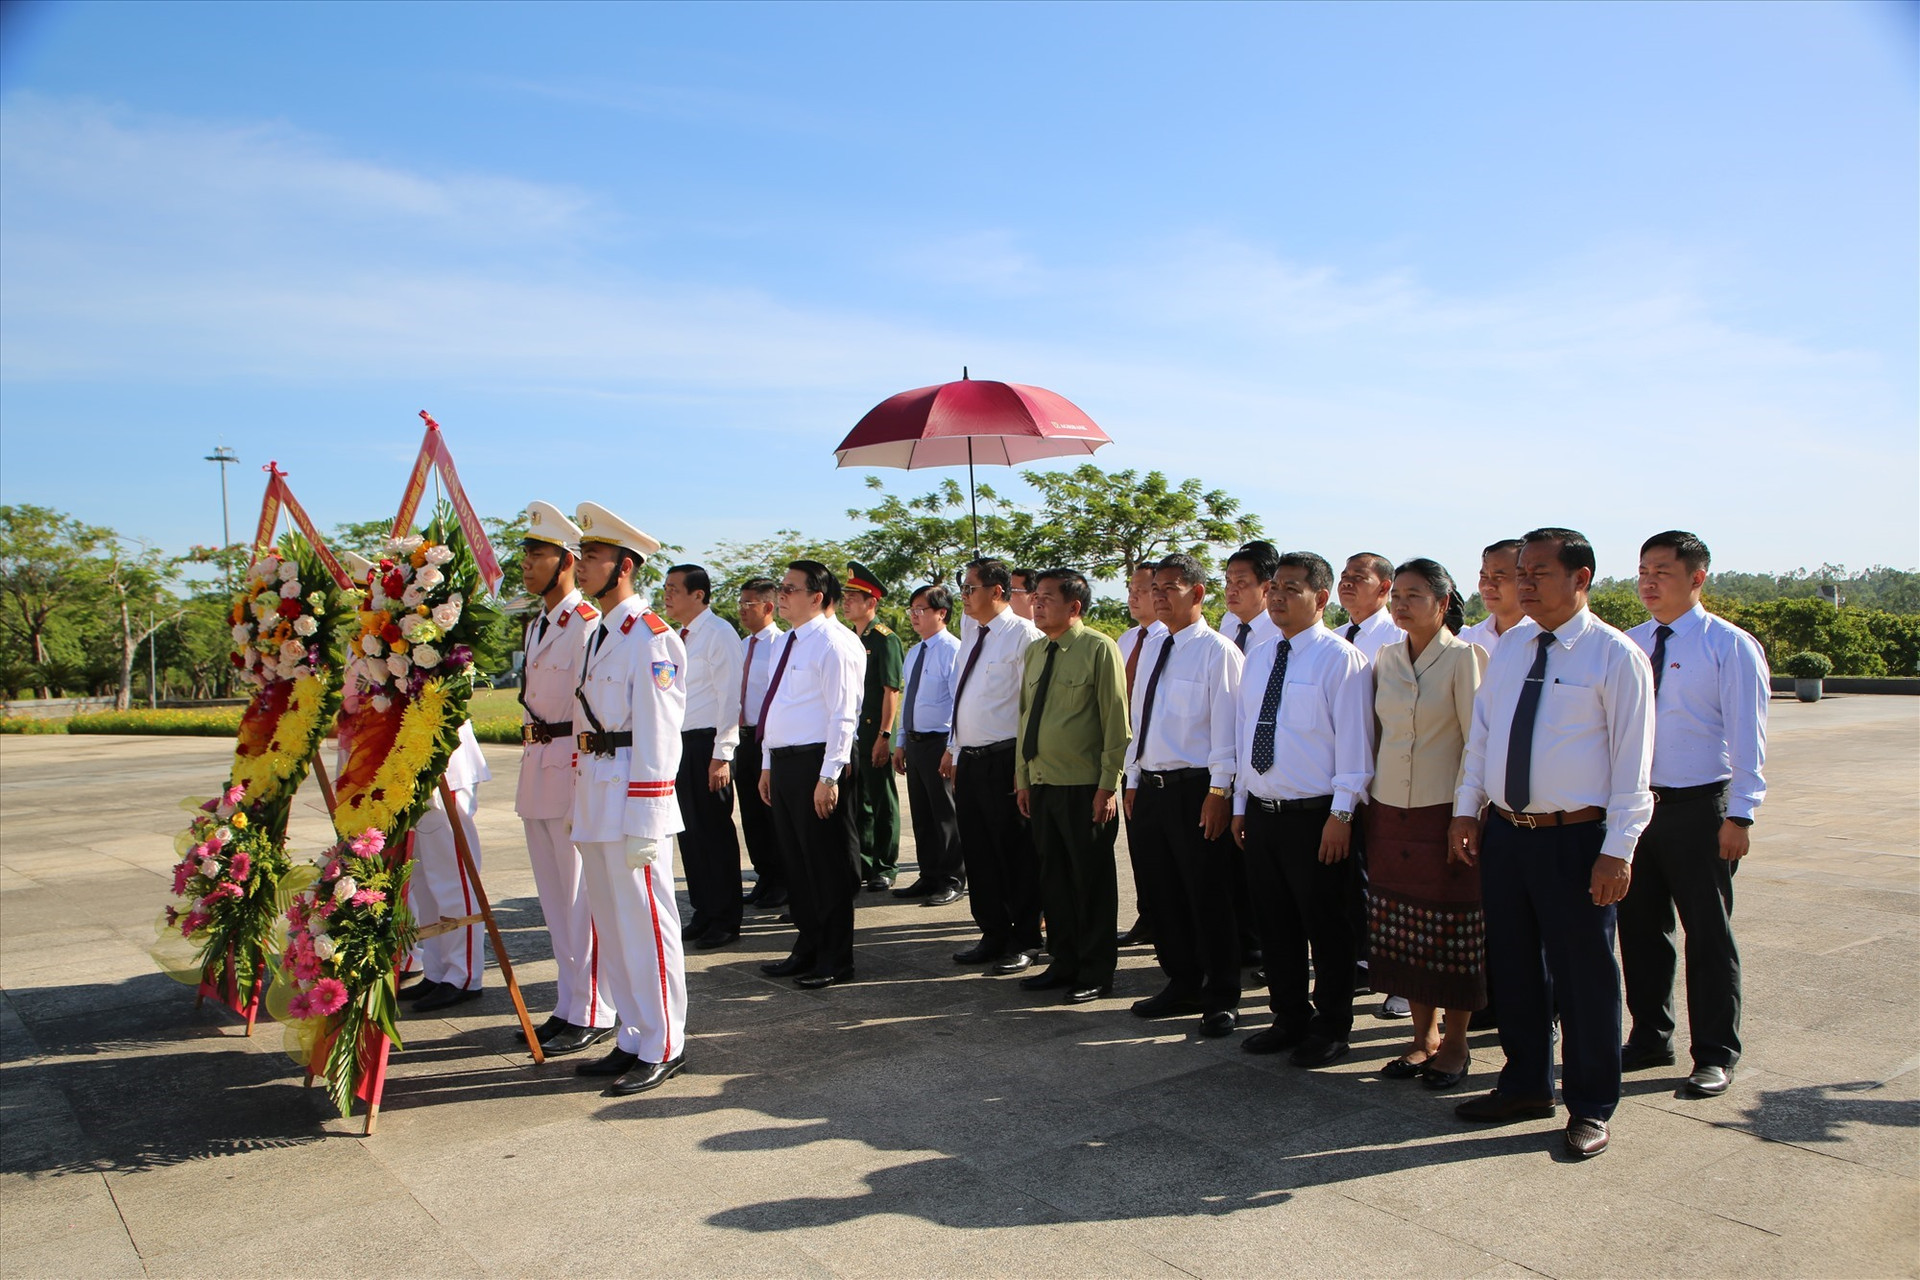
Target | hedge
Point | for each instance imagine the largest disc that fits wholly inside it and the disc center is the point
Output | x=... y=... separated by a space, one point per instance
x=223 y=722
x=31 y=724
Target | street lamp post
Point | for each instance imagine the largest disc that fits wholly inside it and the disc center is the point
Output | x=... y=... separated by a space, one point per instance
x=223 y=456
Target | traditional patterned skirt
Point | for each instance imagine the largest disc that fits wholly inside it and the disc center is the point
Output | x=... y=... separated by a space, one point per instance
x=1427 y=932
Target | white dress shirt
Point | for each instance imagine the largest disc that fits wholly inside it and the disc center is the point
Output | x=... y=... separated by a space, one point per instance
x=988 y=711
x=819 y=695
x=549 y=678
x=1710 y=722
x=1375 y=633
x=713 y=680
x=1323 y=741
x=1261 y=629
x=1483 y=634
x=634 y=679
x=936 y=661
x=756 y=651
x=1592 y=732
x=1194 y=707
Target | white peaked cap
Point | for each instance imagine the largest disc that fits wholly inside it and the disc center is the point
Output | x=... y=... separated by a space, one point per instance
x=597 y=524
x=547 y=523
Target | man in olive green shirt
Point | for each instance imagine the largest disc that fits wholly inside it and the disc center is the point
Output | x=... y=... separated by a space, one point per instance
x=1067 y=769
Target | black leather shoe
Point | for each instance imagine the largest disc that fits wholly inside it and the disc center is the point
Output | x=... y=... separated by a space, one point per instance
x=617 y=1063
x=980 y=952
x=1318 y=1051
x=1139 y=934
x=1048 y=979
x=1018 y=962
x=1272 y=1040
x=716 y=938
x=878 y=884
x=767 y=900
x=694 y=928
x=1436 y=1079
x=942 y=897
x=1167 y=1004
x=1585 y=1138
x=421 y=990
x=445 y=998
x=795 y=963
x=815 y=981
x=1087 y=995
x=1401 y=1069
x=1635 y=1057
x=1709 y=1081
x=1497 y=1108
x=645 y=1076
x=1220 y=1022
x=550 y=1028
x=1258 y=978
x=751 y=898
x=918 y=889
x=574 y=1039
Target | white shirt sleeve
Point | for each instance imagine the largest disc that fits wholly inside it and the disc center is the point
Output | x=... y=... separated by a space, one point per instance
x=1628 y=682
x=1352 y=729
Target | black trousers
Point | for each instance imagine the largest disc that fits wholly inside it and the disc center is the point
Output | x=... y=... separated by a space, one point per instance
x=1002 y=873
x=822 y=856
x=709 y=846
x=1303 y=906
x=1549 y=947
x=1677 y=867
x=1191 y=882
x=756 y=819
x=1078 y=883
x=936 y=829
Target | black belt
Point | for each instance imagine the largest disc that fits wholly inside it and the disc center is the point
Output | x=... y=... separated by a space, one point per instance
x=800 y=749
x=604 y=744
x=1290 y=806
x=930 y=735
x=1678 y=795
x=1162 y=778
x=545 y=731
x=991 y=749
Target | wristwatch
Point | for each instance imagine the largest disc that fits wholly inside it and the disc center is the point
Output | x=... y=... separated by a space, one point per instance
x=1222 y=792
x=831 y=780
x=1343 y=815
x=1741 y=822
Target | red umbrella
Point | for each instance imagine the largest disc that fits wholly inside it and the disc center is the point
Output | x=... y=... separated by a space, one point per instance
x=1003 y=423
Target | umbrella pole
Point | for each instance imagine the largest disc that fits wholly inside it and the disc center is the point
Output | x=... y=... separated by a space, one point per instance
x=972 y=504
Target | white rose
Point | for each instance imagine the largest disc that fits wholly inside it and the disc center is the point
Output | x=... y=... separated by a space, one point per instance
x=397 y=665
x=304 y=625
x=345 y=887
x=263 y=568
x=289 y=670
x=371 y=646
x=323 y=948
x=289 y=571
x=290 y=591
x=445 y=615
x=438 y=555
x=292 y=651
x=425 y=655
x=429 y=577
x=411 y=623
x=412 y=596
x=209 y=868
x=242 y=633
x=381 y=702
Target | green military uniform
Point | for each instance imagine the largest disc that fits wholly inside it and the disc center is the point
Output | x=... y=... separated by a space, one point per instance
x=876 y=802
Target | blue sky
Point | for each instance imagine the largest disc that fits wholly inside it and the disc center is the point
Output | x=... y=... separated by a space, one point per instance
x=1407 y=278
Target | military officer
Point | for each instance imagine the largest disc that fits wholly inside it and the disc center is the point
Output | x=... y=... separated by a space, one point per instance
x=877 y=804
x=633 y=697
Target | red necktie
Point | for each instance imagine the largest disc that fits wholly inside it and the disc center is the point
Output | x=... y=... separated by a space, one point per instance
x=779 y=669
x=1133 y=660
x=746 y=669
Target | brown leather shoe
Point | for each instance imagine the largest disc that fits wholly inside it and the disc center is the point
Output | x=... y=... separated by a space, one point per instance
x=1498 y=1108
x=1586 y=1138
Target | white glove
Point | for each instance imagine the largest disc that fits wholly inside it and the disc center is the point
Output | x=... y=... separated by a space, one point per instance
x=641 y=852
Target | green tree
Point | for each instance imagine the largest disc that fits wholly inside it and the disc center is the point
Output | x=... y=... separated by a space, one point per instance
x=1100 y=523
x=47 y=567
x=734 y=563
x=930 y=538
x=135 y=590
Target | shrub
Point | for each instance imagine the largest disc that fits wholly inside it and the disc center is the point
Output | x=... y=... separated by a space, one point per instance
x=31 y=724
x=222 y=722
x=504 y=732
x=1807 y=665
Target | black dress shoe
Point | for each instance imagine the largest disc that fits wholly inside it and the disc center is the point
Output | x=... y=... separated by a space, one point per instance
x=980 y=952
x=751 y=898
x=1436 y=1079
x=1497 y=1107
x=1709 y=1081
x=1401 y=1069
x=617 y=1063
x=1167 y=1004
x=574 y=1039
x=1585 y=1138
x=420 y=990
x=1087 y=995
x=815 y=981
x=550 y=1028
x=878 y=884
x=1018 y=962
x=1220 y=1022
x=1048 y=979
x=1272 y=1040
x=1635 y=1057
x=941 y=897
x=716 y=937
x=918 y=889
x=694 y=928
x=445 y=998
x=1139 y=934
x=795 y=963
x=1258 y=978
x=1318 y=1051
x=645 y=1076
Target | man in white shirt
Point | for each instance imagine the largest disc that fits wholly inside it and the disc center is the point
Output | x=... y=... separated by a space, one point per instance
x=1710 y=690
x=926 y=722
x=1247 y=573
x=1179 y=798
x=1558 y=757
x=1303 y=759
x=1003 y=877
x=1498 y=591
x=807 y=727
x=1020 y=594
x=1133 y=643
x=758 y=599
x=709 y=845
x=1365 y=584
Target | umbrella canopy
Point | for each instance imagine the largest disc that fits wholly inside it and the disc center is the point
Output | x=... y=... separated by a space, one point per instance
x=960 y=423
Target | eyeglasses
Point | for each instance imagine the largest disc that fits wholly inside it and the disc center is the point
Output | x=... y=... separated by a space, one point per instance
x=787 y=589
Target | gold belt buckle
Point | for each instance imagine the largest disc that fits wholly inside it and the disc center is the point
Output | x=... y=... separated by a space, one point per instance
x=1526 y=820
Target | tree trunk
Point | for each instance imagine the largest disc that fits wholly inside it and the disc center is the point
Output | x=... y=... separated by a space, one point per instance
x=123 y=698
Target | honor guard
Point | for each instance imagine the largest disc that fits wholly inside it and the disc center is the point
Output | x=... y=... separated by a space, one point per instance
x=633 y=698
x=556 y=645
x=876 y=802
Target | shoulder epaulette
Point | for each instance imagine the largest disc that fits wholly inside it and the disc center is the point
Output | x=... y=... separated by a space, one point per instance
x=628 y=624
x=882 y=628
x=656 y=623
x=586 y=611
x=567 y=617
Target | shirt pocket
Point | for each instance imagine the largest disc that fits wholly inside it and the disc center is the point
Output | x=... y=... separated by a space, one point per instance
x=1570 y=709
x=1186 y=700
x=1300 y=706
x=1069 y=691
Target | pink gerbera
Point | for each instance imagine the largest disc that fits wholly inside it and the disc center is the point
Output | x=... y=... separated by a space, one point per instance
x=306 y=967
x=333 y=870
x=329 y=995
x=369 y=843
x=241 y=866
x=182 y=874
x=234 y=795
x=368 y=896
x=300 y=1006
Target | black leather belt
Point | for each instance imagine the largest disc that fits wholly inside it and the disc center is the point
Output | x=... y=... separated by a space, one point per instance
x=604 y=744
x=545 y=731
x=931 y=735
x=1162 y=778
x=799 y=749
x=1678 y=795
x=991 y=749
x=1290 y=806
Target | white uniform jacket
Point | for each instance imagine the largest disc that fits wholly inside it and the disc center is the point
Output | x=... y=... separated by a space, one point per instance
x=551 y=674
x=635 y=680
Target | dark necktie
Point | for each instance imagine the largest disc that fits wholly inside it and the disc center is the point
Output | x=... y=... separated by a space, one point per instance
x=773 y=685
x=913 y=689
x=1520 y=736
x=542 y=634
x=539 y=635
x=683 y=633
x=1133 y=660
x=1660 y=634
x=1352 y=631
x=746 y=671
x=1263 y=728
x=1153 y=687
x=973 y=656
x=1030 y=743
x=1240 y=640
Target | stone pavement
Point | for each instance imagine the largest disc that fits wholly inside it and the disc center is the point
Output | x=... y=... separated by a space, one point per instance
x=930 y=1121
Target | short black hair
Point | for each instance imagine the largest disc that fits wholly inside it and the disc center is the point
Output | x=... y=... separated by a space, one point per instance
x=819 y=578
x=1028 y=579
x=1138 y=565
x=992 y=573
x=938 y=598
x=1378 y=565
x=694 y=578
x=1505 y=544
x=1576 y=553
x=760 y=587
x=1074 y=588
x=1191 y=574
x=1319 y=572
x=1686 y=547
x=1260 y=556
x=1440 y=582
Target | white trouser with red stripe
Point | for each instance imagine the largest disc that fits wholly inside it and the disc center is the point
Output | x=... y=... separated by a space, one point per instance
x=563 y=900
x=438 y=889
x=642 y=969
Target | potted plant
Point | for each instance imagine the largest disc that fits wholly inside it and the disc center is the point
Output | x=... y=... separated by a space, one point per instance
x=1808 y=669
